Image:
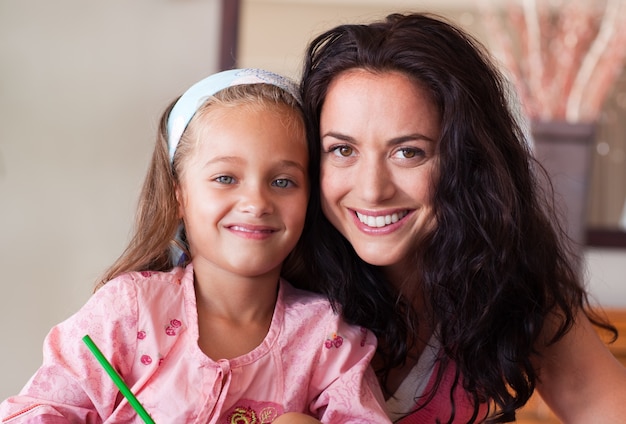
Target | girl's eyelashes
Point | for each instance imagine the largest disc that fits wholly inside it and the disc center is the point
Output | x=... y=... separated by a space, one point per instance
x=278 y=182
x=225 y=179
x=283 y=183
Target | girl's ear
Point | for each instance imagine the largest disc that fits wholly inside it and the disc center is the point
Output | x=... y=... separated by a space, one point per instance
x=179 y=199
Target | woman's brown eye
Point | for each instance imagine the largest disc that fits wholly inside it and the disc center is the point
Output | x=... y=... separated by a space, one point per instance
x=408 y=153
x=345 y=151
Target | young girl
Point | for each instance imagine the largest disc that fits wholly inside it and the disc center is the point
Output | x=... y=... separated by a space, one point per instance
x=212 y=335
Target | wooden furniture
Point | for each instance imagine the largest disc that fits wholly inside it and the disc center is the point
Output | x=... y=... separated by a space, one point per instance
x=536 y=411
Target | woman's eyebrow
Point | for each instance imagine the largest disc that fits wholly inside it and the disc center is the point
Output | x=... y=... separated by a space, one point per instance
x=393 y=141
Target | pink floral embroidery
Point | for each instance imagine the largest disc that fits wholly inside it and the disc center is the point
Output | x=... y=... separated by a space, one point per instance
x=170 y=330
x=146 y=359
x=146 y=273
x=334 y=340
x=364 y=336
x=141 y=335
x=338 y=341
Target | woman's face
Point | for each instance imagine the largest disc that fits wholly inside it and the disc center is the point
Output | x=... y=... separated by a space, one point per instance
x=379 y=135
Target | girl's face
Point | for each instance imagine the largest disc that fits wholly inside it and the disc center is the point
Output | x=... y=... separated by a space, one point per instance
x=244 y=189
x=379 y=135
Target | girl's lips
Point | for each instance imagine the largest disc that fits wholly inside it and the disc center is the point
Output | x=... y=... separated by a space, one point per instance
x=251 y=231
x=247 y=229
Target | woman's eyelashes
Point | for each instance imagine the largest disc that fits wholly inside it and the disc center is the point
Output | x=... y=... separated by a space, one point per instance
x=341 y=150
x=411 y=153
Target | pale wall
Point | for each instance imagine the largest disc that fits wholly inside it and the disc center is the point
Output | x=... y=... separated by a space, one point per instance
x=82 y=84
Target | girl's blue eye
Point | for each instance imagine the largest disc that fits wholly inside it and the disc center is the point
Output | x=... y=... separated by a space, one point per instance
x=225 y=179
x=282 y=183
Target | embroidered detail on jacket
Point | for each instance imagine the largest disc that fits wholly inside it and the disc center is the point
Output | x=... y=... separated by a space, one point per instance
x=252 y=412
x=173 y=327
x=333 y=340
x=22 y=412
x=363 y=336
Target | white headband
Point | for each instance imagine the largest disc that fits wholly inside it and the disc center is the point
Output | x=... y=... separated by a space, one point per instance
x=187 y=105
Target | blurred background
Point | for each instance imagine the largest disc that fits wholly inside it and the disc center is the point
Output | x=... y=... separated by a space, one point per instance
x=82 y=85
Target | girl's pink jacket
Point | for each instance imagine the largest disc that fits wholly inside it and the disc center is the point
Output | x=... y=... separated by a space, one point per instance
x=146 y=324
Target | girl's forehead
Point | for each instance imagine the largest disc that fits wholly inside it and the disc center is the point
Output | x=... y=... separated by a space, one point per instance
x=227 y=126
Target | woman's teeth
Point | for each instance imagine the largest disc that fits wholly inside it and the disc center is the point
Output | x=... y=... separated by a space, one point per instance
x=382 y=220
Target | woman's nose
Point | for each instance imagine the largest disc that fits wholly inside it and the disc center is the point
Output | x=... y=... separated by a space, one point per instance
x=374 y=181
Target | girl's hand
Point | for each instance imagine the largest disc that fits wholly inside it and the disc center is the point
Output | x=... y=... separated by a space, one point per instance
x=295 y=418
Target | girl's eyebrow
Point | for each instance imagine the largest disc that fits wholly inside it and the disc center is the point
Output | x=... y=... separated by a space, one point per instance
x=217 y=159
x=292 y=164
x=285 y=163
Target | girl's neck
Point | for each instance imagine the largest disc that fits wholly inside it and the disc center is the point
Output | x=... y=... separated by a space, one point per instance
x=234 y=312
x=234 y=296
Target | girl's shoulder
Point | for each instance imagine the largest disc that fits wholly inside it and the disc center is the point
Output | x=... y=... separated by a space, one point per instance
x=140 y=281
x=309 y=312
x=136 y=291
x=299 y=298
x=174 y=276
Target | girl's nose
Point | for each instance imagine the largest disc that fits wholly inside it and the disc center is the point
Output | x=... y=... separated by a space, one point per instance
x=256 y=200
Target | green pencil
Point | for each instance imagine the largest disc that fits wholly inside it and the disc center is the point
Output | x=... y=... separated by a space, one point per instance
x=117 y=379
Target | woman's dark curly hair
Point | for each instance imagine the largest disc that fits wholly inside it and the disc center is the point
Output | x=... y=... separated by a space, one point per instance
x=497 y=266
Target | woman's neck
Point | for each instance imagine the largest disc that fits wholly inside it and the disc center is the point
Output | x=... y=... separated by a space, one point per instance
x=405 y=279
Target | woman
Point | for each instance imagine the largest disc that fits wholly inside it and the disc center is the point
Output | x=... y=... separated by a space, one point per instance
x=443 y=243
